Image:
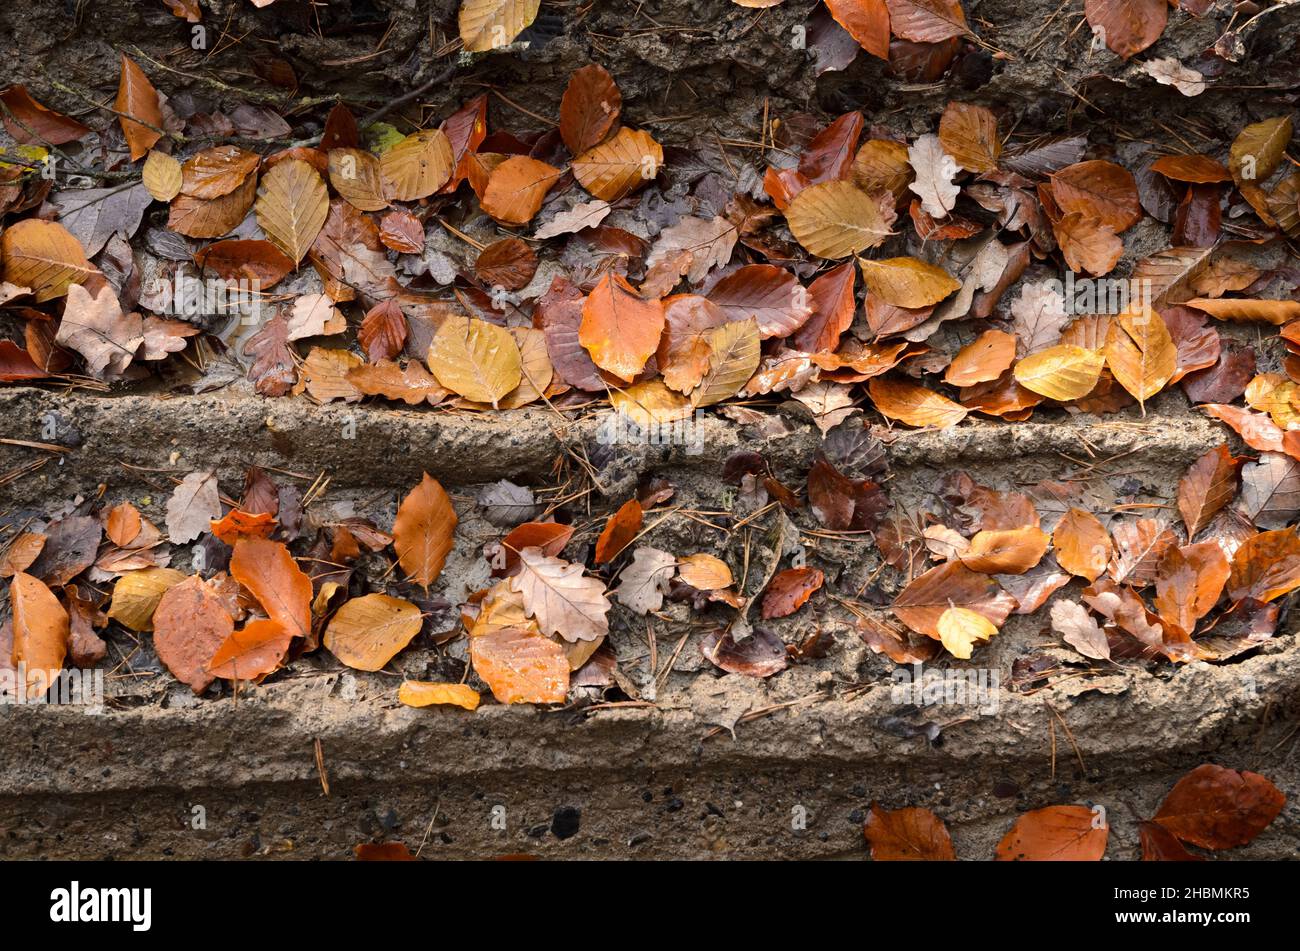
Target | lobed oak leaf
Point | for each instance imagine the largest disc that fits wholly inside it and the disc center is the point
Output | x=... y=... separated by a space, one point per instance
x=562 y=599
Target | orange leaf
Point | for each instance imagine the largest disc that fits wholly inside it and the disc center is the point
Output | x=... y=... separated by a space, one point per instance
x=516 y=189
x=619 y=531
x=1266 y=566
x=1082 y=544
x=31 y=123
x=424 y=531
x=1056 y=834
x=269 y=572
x=550 y=537
x=619 y=329
x=1209 y=485
x=952 y=584
x=235 y=525
x=914 y=405
x=137 y=99
x=907 y=835
x=41 y=631
x=422 y=693
x=1006 y=552
x=867 y=21
x=251 y=653
x=521 y=666
x=984 y=359
x=1129 y=26
x=1101 y=189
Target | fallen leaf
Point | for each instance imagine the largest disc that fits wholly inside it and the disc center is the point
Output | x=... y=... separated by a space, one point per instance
x=1219 y=808
x=589 y=108
x=907 y=282
x=477 y=360
x=491 y=24
x=1082 y=544
x=369 y=631
x=836 y=219
x=1127 y=27
x=1063 y=372
x=1078 y=629
x=1209 y=484
x=969 y=134
x=620 y=329
x=516 y=189
x=934 y=170
x=424 y=531
x=417 y=166
x=96 y=328
x=961 y=628
x=984 y=359
x=914 y=405
x=40 y=633
x=623 y=163
x=1056 y=834
x=193 y=505
x=137 y=109
x=562 y=599
x=137 y=594
x=423 y=693
x=621 y=528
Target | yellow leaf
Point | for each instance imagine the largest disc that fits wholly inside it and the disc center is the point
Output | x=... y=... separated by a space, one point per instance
x=137 y=593
x=836 y=219
x=162 y=175
x=1064 y=372
x=43 y=256
x=475 y=359
x=367 y=632
x=705 y=572
x=961 y=628
x=292 y=203
x=914 y=405
x=1141 y=353
x=355 y=175
x=417 y=166
x=1262 y=311
x=491 y=24
x=907 y=282
x=735 y=349
x=423 y=693
x=651 y=404
x=1258 y=149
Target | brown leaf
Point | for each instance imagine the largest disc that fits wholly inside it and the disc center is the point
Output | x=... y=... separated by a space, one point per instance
x=97 y=329
x=138 y=100
x=273 y=369
x=509 y=263
x=424 y=530
x=69 y=549
x=1189 y=583
x=417 y=166
x=190 y=623
x=907 y=835
x=45 y=258
x=562 y=599
x=402 y=232
x=952 y=584
x=1219 y=808
x=842 y=503
x=589 y=109
x=217 y=171
x=292 y=204
x=271 y=575
x=214 y=218
x=1160 y=845
x=559 y=312
x=1140 y=353
x=969 y=133
x=619 y=165
x=772 y=295
x=789 y=590
x=383 y=332
x=550 y=537
x=1266 y=566
x=867 y=21
x=833 y=307
x=1100 y=189
x=1209 y=485
x=1139 y=546
x=1056 y=834
x=927 y=21
x=762 y=654
x=237 y=259
x=1128 y=26
x=356 y=176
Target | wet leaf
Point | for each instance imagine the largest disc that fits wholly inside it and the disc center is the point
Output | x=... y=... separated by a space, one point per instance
x=907 y=835
x=1127 y=26
x=867 y=21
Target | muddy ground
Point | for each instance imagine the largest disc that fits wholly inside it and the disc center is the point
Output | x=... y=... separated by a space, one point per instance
x=691 y=763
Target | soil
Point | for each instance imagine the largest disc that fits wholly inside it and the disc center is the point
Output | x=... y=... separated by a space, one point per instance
x=694 y=764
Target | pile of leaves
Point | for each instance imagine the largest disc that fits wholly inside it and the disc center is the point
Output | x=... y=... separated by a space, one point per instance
x=1211 y=807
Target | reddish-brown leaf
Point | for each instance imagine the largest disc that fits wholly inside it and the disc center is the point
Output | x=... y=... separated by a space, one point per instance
x=867 y=21
x=559 y=314
x=1266 y=566
x=190 y=624
x=509 y=262
x=789 y=590
x=620 y=529
x=383 y=331
x=1219 y=808
x=766 y=292
x=833 y=307
x=1209 y=485
x=1128 y=26
x=31 y=123
x=589 y=109
x=907 y=835
x=952 y=584
x=403 y=232
x=243 y=259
